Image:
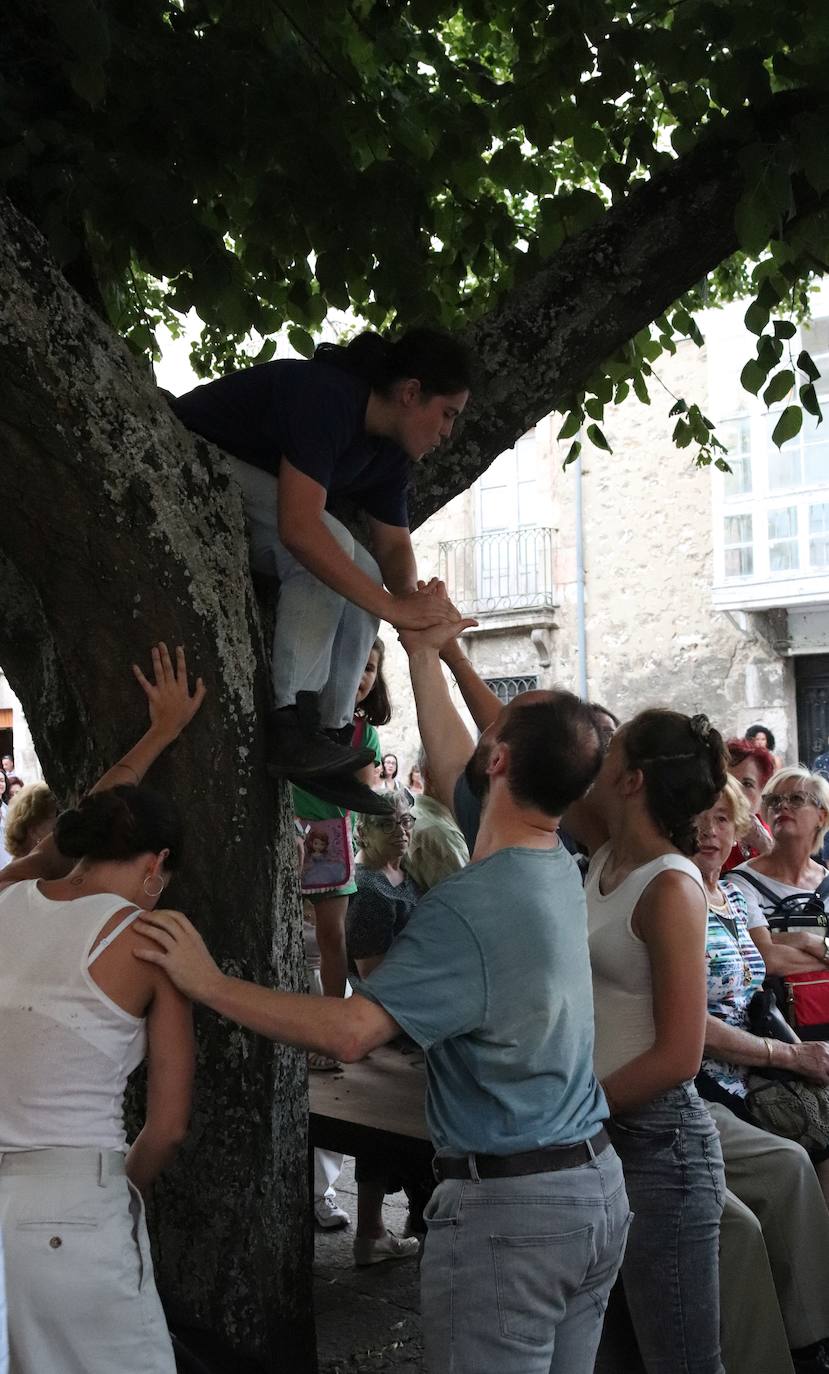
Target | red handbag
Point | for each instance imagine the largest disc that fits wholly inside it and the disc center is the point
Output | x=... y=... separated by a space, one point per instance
x=803 y=998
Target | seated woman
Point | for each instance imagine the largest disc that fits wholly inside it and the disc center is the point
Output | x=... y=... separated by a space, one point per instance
x=78 y=1013
x=771 y=1177
x=380 y=909
x=796 y=806
x=752 y=765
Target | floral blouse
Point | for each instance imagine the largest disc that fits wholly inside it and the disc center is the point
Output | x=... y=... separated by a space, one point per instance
x=735 y=972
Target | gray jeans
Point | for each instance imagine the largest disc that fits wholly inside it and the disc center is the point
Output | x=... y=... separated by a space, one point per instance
x=321 y=642
x=516 y=1271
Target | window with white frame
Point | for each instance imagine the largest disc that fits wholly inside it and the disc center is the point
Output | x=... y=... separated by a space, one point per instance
x=509 y=570
x=775 y=502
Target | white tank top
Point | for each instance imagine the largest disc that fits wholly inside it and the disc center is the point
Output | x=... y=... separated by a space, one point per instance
x=622 y=987
x=66 y=1049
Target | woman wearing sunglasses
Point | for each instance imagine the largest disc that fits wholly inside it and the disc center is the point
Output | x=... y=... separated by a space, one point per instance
x=796 y=808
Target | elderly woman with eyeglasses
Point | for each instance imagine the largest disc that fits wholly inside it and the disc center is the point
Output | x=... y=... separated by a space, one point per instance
x=796 y=807
x=386 y=892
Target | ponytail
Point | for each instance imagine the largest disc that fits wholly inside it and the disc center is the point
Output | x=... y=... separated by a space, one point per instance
x=685 y=767
x=441 y=363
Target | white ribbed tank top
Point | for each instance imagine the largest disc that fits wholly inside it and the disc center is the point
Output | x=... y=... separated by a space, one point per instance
x=622 y=987
x=66 y=1049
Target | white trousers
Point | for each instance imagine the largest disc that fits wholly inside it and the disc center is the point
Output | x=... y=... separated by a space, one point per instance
x=79 y=1274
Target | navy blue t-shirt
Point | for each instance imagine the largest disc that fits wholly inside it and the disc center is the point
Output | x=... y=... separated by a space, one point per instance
x=313 y=415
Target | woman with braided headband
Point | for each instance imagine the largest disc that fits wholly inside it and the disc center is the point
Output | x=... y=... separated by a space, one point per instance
x=647 y=924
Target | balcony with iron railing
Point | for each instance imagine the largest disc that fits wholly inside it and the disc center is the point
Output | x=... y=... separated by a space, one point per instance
x=500 y=573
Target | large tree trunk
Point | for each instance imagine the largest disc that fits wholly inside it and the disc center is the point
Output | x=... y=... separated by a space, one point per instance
x=121 y=530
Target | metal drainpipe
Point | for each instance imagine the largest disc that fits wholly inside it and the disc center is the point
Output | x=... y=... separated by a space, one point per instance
x=581 y=633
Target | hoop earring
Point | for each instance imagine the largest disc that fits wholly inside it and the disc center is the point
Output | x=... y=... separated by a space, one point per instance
x=153 y=894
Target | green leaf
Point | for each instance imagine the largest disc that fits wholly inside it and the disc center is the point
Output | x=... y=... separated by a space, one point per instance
x=806 y=364
x=787 y=426
x=683 y=434
x=596 y=437
x=266 y=352
x=572 y=453
x=755 y=220
x=779 y=387
x=572 y=424
x=301 y=341
x=594 y=408
x=810 y=402
x=589 y=143
x=756 y=318
x=640 y=386
x=752 y=377
x=679 y=408
x=785 y=329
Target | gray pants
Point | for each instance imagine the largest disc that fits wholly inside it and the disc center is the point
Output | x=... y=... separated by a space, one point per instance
x=775 y=1181
x=79 y=1274
x=322 y=642
x=516 y=1271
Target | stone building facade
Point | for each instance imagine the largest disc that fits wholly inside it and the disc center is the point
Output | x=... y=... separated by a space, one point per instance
x=686 y=588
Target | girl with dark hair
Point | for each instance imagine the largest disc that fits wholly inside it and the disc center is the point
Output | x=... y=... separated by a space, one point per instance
x=328 y=900
x=302 y=434
x=78 y=1014
x=647 y=926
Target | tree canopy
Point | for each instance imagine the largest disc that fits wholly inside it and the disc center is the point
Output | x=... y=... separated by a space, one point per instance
x=266 y=163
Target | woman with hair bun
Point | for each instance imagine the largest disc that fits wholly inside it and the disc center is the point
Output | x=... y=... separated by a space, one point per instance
x=302 y=434
x=647 y=917
x=78 y=1013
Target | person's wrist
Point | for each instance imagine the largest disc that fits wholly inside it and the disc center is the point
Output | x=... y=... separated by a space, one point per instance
x=163 y=733
x=215 y=991
x=453 y=655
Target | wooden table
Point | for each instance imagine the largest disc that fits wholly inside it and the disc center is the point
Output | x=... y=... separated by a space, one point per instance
x=375 y=1103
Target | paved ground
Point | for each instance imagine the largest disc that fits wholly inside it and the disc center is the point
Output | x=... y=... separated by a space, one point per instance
x=367 y=1319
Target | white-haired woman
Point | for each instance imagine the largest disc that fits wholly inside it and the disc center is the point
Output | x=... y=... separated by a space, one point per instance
x=796 y=808
x=774 y=1238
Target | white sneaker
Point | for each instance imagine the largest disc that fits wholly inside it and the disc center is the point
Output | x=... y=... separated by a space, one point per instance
x=329 y=1216
x=388 y=1247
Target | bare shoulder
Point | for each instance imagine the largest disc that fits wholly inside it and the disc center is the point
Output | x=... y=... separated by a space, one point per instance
x=672 y=893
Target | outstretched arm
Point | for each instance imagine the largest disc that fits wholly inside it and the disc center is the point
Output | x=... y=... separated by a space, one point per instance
x=446 y=740
x=347 y=1028
x=172 y=707
x=481 y=702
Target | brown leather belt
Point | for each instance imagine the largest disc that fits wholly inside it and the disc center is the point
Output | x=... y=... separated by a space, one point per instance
x=546 y=1161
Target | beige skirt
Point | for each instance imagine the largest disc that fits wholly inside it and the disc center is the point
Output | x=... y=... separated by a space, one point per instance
x=80 y=1291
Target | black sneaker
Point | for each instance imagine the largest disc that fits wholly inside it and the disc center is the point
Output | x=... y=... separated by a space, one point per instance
x=343 y=789
x=297 y=748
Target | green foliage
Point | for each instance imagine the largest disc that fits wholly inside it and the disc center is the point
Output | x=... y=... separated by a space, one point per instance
x=267 y=164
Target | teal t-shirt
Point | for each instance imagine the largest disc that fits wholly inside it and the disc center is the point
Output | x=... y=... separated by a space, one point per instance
x=491 y=977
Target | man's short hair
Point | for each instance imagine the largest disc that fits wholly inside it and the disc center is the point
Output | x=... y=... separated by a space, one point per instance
x=555 y=751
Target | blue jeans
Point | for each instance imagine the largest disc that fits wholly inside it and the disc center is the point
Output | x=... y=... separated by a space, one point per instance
x=321 y=642
x=673 y=1164
x=516 y=1271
